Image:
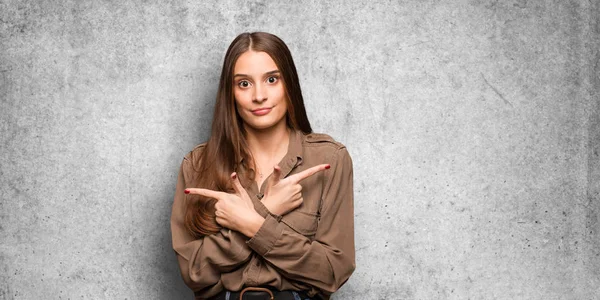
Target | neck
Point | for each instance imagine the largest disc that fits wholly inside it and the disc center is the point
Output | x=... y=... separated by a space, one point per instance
x=268 y=142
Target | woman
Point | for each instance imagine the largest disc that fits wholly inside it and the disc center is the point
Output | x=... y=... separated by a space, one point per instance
x=292 y=238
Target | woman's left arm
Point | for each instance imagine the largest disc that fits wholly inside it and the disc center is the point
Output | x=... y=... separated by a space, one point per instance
x=327 y=261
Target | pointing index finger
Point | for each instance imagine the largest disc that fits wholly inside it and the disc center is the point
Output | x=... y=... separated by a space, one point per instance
x=308 y=172
x=237 y=186
x=204 y=192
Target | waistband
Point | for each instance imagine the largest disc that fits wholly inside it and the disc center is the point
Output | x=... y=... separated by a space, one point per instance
x=261 y=293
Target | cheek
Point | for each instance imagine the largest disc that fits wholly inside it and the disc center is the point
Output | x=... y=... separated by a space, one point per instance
x=279 y=93
x=240 y=98
x=284 y=103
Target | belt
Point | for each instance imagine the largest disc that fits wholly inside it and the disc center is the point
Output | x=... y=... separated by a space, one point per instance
x=261 y=293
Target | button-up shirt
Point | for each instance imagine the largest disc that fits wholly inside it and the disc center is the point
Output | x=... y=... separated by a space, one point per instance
x=309 y=249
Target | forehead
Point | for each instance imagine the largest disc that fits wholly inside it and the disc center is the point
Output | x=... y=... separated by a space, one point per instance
x=254 y=63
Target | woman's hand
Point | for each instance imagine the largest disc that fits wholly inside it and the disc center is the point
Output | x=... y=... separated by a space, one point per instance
x=233 y=211
x=285 y=195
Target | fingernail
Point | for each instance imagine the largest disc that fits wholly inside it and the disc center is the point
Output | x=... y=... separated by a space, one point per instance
x=234 y=176
x=187 y=191
x=327 y=166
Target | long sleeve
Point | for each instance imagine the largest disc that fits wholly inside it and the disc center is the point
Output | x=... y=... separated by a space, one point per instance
x=202 y=261
x=328 y=260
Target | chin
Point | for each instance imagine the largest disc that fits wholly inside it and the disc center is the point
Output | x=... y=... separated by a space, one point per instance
x=261 y=126
x=264 y=124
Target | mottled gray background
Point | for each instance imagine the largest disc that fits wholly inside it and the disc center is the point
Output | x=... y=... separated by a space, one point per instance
x=474 y=127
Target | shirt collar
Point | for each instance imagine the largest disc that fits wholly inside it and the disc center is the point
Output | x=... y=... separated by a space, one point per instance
x=294 y=154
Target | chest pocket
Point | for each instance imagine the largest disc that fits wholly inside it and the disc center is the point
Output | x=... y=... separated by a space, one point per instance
x=302 y=222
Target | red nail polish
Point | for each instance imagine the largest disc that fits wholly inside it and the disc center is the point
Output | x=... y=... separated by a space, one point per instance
x=234 y=176
x=327 y=166
x=187 y=191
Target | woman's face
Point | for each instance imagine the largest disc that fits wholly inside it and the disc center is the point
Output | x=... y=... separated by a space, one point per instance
x=259 y=92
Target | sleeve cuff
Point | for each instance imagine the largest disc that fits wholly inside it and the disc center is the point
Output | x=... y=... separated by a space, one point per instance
x=266 y=236
x=262 y=210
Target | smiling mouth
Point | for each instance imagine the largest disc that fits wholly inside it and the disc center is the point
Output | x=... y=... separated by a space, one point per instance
x=261 y=111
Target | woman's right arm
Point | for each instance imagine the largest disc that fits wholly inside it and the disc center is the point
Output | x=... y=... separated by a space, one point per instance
x=202 y=261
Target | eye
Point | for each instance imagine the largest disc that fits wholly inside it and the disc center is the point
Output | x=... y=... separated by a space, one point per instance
x=243 y=83
x=272 y=79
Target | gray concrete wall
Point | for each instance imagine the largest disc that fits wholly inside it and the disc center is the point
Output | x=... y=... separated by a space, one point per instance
x=474 y=127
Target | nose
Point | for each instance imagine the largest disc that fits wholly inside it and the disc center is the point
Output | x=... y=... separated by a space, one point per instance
x=260 y=93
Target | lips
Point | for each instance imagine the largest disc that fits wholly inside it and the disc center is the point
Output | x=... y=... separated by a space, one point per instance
x=261 y=111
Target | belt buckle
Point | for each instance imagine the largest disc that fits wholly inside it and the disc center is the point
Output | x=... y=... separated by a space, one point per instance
x=256 y=289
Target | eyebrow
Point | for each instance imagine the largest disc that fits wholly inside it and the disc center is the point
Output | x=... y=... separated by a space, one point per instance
x=268 y=73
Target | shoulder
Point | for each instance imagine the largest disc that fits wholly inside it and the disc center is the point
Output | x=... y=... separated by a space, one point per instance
x=321 y=140
x=324 y=146
x=191 y=161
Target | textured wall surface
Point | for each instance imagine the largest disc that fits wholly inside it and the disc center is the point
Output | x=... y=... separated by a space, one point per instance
x=474 y=128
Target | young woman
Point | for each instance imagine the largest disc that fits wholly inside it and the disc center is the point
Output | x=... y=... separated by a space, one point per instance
x=264 y=209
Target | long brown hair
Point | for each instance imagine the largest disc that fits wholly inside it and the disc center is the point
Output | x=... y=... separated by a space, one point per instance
x=227 y=145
